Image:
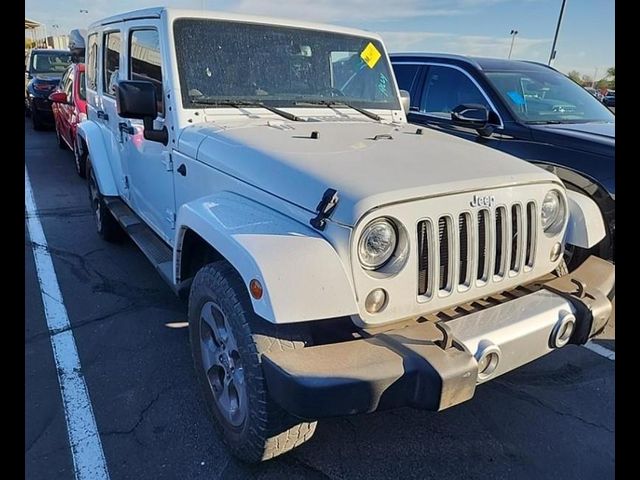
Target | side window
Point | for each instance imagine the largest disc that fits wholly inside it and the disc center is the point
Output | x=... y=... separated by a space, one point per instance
x=406 y=76
x=111 y=67
x=64 y=81
x=445 y=88
x=145 y=62
x=92 y=62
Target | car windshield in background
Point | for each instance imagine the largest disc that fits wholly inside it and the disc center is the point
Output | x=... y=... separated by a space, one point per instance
x=50 y=62
x=279 y=66
x=548 y=97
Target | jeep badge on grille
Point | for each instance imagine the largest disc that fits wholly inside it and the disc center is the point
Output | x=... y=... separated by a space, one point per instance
x=483 y=201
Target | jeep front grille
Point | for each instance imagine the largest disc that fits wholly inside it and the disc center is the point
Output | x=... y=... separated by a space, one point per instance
x=471 y=250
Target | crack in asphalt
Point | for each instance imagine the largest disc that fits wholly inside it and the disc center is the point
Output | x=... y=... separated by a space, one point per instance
x=82 y=323
x=41 y=433
x=141 y=417
x=527 y=397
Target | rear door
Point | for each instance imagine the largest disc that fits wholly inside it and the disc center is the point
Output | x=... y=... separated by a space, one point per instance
x=104 y=58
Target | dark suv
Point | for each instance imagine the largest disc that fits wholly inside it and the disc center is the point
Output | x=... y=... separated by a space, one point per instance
x=526 y=109
x=43 y=70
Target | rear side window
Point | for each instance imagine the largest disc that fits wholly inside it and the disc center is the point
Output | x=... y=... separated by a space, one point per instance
x=406 y=76
x=111 y=68
x=445 y=89
x=92 y=62
x=145 y=62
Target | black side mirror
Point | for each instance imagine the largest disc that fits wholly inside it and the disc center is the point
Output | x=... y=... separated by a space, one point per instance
x=472 y=115
x=137 y=99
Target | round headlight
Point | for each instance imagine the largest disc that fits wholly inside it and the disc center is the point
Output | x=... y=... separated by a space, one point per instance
x=377 y=244
x=553 y=212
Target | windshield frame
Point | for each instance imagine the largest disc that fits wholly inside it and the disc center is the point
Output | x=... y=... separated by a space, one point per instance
x=287 y=100
x=32 y=68
x=527 y=121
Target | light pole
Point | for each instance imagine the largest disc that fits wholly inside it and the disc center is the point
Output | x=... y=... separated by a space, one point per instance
x=513 y=39
x=555 y=38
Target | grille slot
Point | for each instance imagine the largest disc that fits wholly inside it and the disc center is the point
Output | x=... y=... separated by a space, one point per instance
x=483 y=224
x=464 y=232
x=466 y=250
x=531 y=235
x=516 y=238
x=444 y=240
x=501 y=244
x=424 y=241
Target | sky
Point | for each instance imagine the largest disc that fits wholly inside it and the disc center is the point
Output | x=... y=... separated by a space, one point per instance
x=469 y=27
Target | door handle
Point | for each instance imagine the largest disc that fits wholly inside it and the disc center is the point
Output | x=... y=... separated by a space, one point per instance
x=125 y=128
x=102 y=115
x=182 y=170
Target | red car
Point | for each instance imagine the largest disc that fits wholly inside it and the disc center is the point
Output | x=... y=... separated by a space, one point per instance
x=69 y=109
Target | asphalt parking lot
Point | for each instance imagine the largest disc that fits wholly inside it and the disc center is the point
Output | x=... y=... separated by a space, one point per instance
x=553 y=418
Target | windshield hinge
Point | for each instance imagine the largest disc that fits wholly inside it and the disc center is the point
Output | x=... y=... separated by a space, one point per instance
x=325 y=208
x=167 y=160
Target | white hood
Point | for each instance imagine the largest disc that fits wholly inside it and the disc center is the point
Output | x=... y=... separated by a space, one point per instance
x=280 y=157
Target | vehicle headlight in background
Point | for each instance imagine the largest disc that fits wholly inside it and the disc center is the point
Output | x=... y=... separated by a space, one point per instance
x=553 y=212
x=377 y=243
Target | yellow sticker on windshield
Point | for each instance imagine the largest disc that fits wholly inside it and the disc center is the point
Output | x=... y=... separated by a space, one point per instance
x=370 y=55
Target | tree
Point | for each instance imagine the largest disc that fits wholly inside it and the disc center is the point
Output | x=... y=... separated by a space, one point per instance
x=575 y=76
x=611 y=73
x=29 y=43
x=586 y=81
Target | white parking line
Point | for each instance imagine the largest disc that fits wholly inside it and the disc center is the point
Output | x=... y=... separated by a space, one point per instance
x=600 y=350
x=86 y=450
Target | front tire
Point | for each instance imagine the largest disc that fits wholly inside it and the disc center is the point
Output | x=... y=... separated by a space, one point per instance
x=106 y=225
x=227 y=343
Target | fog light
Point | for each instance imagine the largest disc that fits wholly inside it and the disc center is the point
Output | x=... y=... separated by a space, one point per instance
x=556 y=251
x=562 y=330
x=376 y=300
x=488 y=357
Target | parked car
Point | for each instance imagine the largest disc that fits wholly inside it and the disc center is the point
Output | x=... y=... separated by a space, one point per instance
x=523 y=108
x=610 y=98
x=43 y=70
x=336 y=259
x=69 y=109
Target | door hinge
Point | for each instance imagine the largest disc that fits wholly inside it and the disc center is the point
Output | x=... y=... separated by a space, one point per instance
x=171 y=218
x=168 y=161
x=126 y=182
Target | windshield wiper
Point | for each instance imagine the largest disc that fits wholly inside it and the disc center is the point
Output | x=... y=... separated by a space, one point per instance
x=244 y=103
x=333 y=103
x=545 y=122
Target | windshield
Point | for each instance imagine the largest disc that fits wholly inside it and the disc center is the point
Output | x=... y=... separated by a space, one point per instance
x=548 y=97
x=50 y=62
x=279 y=65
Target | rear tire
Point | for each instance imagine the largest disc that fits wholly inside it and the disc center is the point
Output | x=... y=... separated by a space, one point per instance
x=106 y=225
x=227 y=343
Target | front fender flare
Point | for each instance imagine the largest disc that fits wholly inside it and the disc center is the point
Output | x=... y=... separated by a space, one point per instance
x=586 y=225
x=90 y=132
x=302 y=275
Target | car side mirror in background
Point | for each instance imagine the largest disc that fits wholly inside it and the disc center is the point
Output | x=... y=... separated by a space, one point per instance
x=472 y=115
x=405 y=101
x=137 y=99
x=58 y=97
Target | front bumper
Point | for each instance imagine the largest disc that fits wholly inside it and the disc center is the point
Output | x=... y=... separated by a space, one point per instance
x=434 y=365
x=42 y=105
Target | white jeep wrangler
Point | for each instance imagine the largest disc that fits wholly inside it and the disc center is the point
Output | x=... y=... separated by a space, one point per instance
x=337 y=260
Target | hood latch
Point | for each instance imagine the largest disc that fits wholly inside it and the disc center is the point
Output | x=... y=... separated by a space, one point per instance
x=325 y=208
